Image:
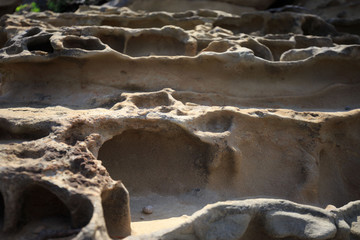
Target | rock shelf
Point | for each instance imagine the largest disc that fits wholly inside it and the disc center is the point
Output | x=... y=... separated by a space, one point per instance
x=227 y=125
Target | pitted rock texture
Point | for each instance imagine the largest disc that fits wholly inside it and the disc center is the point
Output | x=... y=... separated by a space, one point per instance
x=111 y=109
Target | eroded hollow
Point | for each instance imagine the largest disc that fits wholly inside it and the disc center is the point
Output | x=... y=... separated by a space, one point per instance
x=164 y=162
x=86 y=44
x=152 y=100
x=150 y=44
x=152 y=22
x=215 y=122
x=43 y=208
x=248 y=23
x=317 y=27
x=116 y=42
x=280 y=25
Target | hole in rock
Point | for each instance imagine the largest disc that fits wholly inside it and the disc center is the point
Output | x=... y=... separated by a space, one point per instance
x=116 y=42
x=165 y=162
x=41 y=43
x=87 y=44
x=44 y=210
x=167 y=169
x=149 y=44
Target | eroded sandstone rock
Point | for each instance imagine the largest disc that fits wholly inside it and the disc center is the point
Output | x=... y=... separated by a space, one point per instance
x=107 y=110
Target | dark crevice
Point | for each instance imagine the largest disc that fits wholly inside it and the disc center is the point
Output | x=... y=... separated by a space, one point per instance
x=317 y=27
x=32 y=32
x=76 y=133
x=149 y=44
x=82 y=211
x=202 y=44
x=41 y=43
x=135 y=23
x=152 y=100
x=41 y=206
x=281 y=3
x=9 y=131
x=2 y=211
x=12 y=50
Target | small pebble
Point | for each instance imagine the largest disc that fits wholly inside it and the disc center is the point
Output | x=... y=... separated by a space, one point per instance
x=148 y=209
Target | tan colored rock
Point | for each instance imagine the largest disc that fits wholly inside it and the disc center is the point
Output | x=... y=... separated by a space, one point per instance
x=283 y=224
x=107 y=110
x=8 y=6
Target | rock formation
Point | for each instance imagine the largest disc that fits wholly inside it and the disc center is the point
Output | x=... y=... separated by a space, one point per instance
x=112 y=109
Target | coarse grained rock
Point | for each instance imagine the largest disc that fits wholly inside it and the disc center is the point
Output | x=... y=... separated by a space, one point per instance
x=256 y=219
x=107 y=110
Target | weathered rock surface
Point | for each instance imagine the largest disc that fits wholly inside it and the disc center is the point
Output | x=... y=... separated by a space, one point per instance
x=262 y=219
x=107 y=110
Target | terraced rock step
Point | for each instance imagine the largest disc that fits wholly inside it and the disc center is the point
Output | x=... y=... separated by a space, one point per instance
x=178 y=122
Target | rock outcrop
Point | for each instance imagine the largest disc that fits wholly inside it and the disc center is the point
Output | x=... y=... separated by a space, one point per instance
x=109 y=110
